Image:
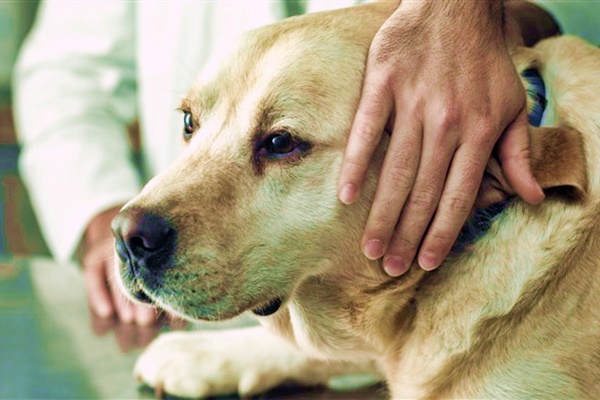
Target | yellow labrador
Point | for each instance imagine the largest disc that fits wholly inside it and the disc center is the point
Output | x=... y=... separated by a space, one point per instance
x=248 y=220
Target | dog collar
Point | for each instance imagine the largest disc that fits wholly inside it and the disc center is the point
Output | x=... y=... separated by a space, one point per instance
x=478 y=225
x=537 y=93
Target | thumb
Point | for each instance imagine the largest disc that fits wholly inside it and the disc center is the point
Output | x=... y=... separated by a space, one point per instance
x=514 y=154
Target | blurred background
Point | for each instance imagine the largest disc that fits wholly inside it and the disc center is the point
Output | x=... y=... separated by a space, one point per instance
x=19 y=232
x=50 y=344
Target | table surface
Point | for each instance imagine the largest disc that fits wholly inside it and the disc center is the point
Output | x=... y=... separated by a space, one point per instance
x=51 y=348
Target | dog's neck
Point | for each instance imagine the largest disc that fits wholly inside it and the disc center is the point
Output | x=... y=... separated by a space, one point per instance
x=475 y=305
x=427 y=329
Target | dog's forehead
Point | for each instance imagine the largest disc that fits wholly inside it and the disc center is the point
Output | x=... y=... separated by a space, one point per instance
x=284 y=75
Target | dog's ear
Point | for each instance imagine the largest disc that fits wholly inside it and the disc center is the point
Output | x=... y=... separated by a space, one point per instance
x=557 y=161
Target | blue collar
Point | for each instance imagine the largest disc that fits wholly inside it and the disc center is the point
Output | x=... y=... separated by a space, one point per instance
x=478 y=225
x=537 y=93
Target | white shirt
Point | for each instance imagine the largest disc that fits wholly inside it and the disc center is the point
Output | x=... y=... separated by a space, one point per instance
x=88 y=69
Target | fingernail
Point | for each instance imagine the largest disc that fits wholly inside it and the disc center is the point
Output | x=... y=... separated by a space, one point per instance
x=373 y=249
x=146 y=319
x=428 y=261
x=103 y=310
x=127 y=316
x=541 y=194
x=394 y=266
x=348 y=193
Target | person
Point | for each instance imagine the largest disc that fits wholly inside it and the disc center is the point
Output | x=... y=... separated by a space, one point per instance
x=438 y=76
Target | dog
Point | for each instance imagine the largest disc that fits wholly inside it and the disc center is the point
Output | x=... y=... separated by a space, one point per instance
x=248 y=221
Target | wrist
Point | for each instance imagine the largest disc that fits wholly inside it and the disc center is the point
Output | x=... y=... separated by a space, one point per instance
x=472 y=11
x=474 y=21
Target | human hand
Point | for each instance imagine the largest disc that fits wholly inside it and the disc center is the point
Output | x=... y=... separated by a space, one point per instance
x=440 y=78
x=129 y=337
x=104 y=296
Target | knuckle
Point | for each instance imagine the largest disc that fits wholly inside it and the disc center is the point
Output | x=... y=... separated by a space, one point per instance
x=371 y=117
x=400 y=175
x=403 y=243
x=486 y=134
x=377 y=228
x=519 y=155
x=400 y=167
x=458 y=204
x=367 y=134
x=441 y=238
x=423 y=200
x=450 y=116
x=381 y=225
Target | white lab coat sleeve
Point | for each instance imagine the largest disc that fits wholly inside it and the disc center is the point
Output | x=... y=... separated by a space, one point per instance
x=74 y=94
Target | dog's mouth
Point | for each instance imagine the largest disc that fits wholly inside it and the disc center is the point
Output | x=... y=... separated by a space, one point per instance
x=142 y=297
x=268 y=308
x=263 y=310
x=141 y=294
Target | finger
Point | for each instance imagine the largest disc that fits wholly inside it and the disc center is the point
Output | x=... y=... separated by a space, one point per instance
x=145 y=335
x=101 y=326
x=144 y=315
x=456 y=203
x=515 y=159
x=98 y=292
x=123 y=305
x=175 y=322
x=421 y=203
x=369 y=123
x=125 y=336
x=125 y=310
x=395 y=182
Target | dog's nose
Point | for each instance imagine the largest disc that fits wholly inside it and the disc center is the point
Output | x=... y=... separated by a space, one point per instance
x=144 y=240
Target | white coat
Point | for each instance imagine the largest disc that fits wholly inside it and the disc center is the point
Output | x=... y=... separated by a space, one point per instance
x=86 y=71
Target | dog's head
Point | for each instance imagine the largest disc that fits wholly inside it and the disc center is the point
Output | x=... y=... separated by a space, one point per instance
x=250 y=209
x=250 y=212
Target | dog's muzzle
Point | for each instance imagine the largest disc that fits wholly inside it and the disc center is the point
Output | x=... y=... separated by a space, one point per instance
x=145 y=243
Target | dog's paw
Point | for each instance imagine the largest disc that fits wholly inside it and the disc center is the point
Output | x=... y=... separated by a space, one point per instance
x=207 y=363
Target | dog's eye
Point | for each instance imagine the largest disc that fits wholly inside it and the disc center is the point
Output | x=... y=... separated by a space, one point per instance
x=188 y=125
x=280 y=145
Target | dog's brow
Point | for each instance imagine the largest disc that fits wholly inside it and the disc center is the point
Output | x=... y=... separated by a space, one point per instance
x=185 y=105
x=200 y=100
x=278 y=112
x=266 y=118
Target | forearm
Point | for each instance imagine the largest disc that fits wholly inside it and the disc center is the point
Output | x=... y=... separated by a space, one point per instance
x=461 y=13
x=72 y=101
x=487 y=17
x=444 y=24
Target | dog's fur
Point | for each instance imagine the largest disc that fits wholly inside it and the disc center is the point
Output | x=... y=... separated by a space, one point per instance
x=516 y=314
